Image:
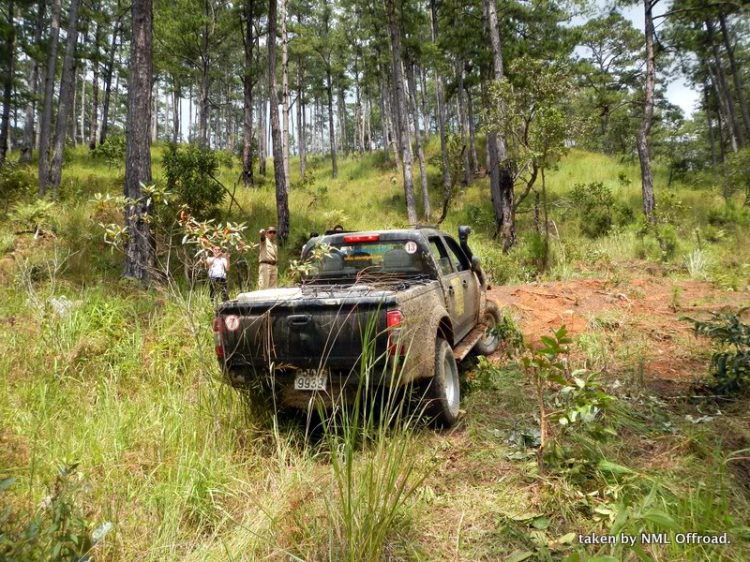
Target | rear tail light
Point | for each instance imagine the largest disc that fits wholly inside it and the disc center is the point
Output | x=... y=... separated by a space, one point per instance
x=362 y=238
x=218 y=340
x=394 y=319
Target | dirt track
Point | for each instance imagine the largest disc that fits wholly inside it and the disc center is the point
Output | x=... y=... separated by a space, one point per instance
x=639 y=319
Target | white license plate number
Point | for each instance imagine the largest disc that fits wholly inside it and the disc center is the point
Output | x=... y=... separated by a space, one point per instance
x=310 y=381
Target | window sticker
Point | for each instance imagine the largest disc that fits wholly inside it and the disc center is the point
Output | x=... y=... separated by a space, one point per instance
x=410 y=247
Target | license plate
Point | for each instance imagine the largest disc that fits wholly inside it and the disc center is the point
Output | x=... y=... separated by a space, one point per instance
x=310 y=381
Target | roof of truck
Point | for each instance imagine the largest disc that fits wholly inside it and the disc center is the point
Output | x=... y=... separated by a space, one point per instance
x=416 y=233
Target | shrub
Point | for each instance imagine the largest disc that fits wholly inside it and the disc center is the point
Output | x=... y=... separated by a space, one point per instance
x=736 y=175
x=59 y=531
x=729 y=215
x=593 y=203
x=191 y=176
x=111 y=151
x=33 y=216
x=16 y=182
x=730 y=363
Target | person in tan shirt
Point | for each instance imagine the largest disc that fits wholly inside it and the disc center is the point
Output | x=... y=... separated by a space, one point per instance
x=268 y=271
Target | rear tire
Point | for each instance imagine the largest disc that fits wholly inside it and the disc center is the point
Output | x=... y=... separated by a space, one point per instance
x=443 y=391
x=489 y=344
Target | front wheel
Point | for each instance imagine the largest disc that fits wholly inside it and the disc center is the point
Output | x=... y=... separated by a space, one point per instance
x=443 y=390
x=489 y=343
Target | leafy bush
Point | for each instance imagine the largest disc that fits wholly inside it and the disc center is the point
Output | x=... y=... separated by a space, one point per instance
x=736 y=175
x=59 y=531
x=729 y=215
x=111 y=151
x=730 y=363
x=569 y=399
x=511 y=338
x=16 y=182
x=191 y=176
x=594 y=203
x=33 y=216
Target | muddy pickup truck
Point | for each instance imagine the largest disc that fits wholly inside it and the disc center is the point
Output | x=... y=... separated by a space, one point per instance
x=385 y=308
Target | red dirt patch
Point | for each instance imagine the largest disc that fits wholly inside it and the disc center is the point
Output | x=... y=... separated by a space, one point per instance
x=641 y=312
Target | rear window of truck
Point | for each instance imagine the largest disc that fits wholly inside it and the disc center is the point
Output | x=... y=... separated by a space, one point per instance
x=392 y=257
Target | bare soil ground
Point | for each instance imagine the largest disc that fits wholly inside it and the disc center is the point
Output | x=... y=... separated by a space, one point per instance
x=642 y=315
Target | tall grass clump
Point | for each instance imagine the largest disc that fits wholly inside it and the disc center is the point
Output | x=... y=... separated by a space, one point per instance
x=373 y=458
x=697 y=265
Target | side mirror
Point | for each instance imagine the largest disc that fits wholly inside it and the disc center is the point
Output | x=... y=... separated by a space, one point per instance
x=476 y=263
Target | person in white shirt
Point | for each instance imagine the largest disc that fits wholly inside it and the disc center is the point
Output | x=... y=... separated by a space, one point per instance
x=218 y=266
x=268 y=271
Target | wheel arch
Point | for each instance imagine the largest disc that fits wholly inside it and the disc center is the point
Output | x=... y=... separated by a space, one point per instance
x=445 y=330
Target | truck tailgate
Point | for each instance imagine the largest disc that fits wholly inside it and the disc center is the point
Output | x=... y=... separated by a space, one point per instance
x=306 y=332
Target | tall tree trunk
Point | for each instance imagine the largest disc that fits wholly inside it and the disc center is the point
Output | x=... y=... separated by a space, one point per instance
x=358 y=124
x=108 y=73
x=282 y=195
x=736 y=74
x=203 y=109
x=341 y=107
x=426 y=210
x=229 y=122
x=167 y=115
x=461 y=114
x=331 y=130
x=423 y=96
x=709 y=122
x=472 y=132
x=738 y=131
x=393 y=125
x=247 y=89
x=285 y=94
x=190 y=114
x=440 y=103
x=29 y=133
x=384 y=123
x=94 y=124
x=140 y=251
x=501 y=179
x=154 y=113
x=45 y=123
x=262 y=136
x=67 y=89
x=368 y=123
x=301 y=143
x=402 y=115
x=644 y=157
x=82 y=115
x=8 y=85
x=725 y=122
x=176 y=97
x=720 y=122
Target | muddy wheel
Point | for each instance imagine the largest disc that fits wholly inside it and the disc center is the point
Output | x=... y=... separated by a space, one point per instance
x=443 y=391
x=489 y=343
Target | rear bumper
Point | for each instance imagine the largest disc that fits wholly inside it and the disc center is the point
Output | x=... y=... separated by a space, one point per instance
x=382 y=373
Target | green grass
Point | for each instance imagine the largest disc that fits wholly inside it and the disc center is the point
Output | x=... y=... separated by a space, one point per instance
x=123 y=380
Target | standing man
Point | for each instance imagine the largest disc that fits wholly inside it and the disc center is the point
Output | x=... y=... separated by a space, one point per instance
x=268 y=272
x=218 y=266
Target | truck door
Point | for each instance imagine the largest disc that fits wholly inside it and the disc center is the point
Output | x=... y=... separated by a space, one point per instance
x=469 y=286
x=453 y=287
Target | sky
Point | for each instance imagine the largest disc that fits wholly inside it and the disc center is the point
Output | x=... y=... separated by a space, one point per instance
x=678 y=92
